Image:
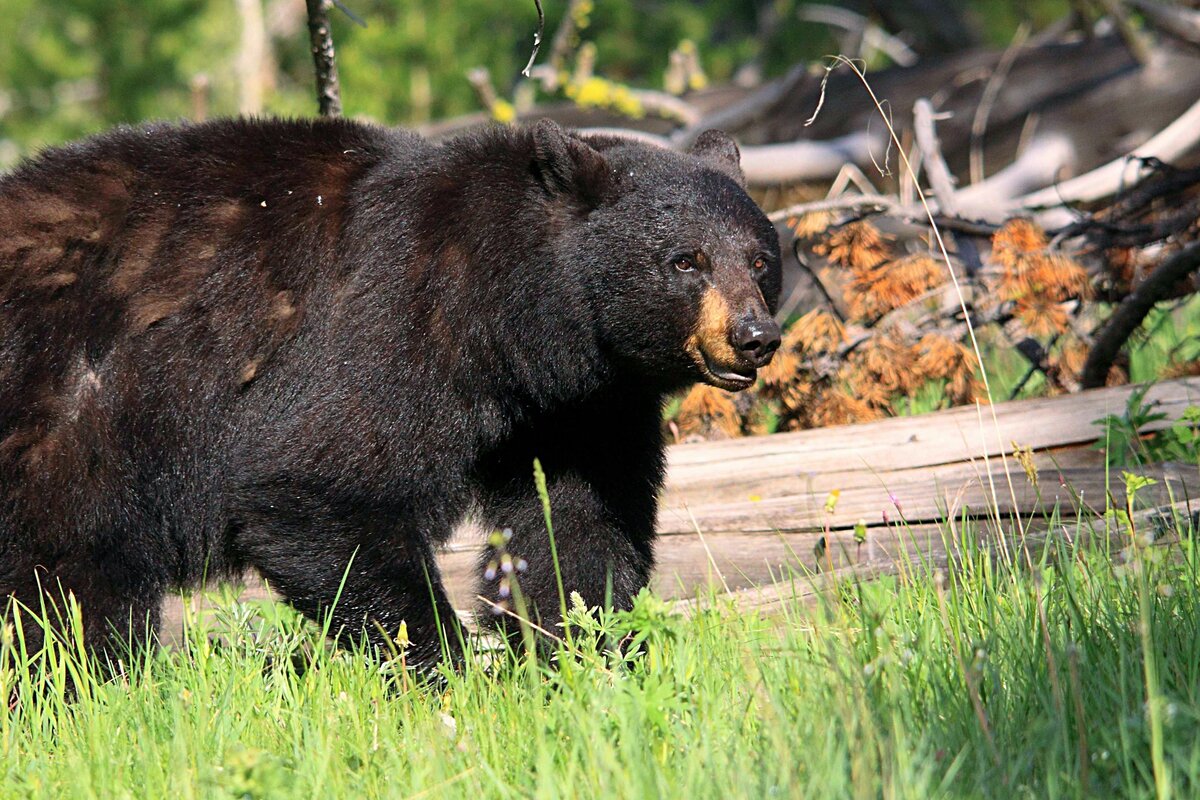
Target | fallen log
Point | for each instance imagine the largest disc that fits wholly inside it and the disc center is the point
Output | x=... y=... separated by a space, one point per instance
x=751 y=512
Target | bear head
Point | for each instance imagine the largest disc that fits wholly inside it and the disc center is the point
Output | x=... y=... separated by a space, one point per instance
x=682 y=268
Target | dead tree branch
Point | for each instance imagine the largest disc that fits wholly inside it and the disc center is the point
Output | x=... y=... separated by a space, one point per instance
x=1124 y=222
x=537 y=37
x=1125 y=29
x=1167 y=145
x=940 y=178
x=1182 y=23
x=869 y=35
x=1133 y=309
x=845 y=202
x=994 y=198
x=480 y=79
x=805 y=160
x=329 y=96
x=560 y=48
x=988 y=101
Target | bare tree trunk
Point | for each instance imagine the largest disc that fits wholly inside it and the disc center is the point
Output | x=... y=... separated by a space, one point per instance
x=200 y=89
x=251 y=55
x=329 y=97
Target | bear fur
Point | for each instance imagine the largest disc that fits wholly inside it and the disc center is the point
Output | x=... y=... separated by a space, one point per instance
x=312 y=347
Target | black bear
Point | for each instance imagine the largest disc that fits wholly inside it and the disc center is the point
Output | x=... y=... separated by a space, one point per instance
x=313 y=347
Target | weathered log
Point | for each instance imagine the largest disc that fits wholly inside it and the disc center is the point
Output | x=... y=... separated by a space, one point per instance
x=752 y=512
x=776 y=465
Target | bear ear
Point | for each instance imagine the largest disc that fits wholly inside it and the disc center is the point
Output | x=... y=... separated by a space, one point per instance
x=567 y=165
x=719 y=148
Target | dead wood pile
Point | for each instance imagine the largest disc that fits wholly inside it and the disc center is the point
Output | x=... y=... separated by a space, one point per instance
x=1041 y=200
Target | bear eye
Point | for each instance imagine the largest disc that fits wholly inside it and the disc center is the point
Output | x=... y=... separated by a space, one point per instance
x=683 y=263
x=760 y=263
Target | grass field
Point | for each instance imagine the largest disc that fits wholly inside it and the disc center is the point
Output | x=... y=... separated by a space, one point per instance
x=1074 y=673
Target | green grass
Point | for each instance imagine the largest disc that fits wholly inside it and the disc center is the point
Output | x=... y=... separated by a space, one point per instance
x=1170 y=335
x=1075 y=674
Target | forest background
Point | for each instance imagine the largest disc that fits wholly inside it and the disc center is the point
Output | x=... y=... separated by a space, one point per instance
x=73 y=67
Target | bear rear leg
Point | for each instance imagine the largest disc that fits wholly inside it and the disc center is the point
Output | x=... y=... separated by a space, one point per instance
x=114 y=606
x=364 y=595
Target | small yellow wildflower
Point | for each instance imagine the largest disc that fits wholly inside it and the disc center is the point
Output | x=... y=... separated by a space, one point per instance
x=504 y=112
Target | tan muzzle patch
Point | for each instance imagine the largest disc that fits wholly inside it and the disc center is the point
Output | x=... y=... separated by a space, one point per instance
x=710 y=339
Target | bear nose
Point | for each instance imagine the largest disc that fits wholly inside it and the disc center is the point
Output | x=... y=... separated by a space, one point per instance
x=757 y=339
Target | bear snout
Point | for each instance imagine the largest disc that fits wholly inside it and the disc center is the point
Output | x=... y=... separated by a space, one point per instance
x=756 y=339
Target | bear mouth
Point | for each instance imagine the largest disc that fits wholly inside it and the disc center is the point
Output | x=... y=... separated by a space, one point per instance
x=727 y=378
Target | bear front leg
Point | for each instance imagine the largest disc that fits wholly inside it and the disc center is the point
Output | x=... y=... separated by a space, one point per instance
x=603 y=545
x=365 y=570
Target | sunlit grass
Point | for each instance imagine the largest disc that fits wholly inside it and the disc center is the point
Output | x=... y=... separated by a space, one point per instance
x=980 y=681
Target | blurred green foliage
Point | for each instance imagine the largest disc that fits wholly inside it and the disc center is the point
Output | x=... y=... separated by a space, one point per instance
x=71 y=67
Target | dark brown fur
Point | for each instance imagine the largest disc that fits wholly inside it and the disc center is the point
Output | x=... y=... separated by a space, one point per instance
x=311 y=347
